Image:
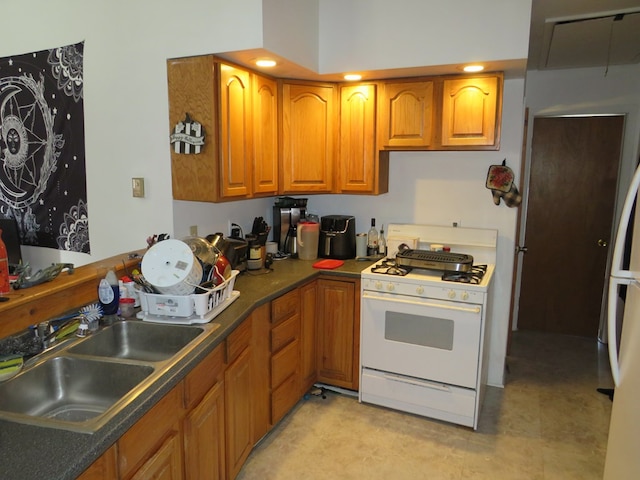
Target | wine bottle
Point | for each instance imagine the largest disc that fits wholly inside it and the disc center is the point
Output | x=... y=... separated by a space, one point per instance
x=382 y=243
x=372 y=239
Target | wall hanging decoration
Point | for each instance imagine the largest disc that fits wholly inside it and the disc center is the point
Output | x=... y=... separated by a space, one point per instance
x=42 y=154
x=500 y=182
x=188 y=136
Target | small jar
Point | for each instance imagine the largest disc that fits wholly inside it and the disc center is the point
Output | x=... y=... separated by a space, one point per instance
x=127 y=307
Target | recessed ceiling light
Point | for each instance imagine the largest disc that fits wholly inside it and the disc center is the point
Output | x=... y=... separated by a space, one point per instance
x=352 y=77
x=473 y=68
x=266 y=63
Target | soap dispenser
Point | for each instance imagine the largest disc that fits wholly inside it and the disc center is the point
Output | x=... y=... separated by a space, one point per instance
x=109 y=293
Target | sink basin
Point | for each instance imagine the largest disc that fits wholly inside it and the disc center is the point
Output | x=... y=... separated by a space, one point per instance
x=137 y=340
x=70 y=389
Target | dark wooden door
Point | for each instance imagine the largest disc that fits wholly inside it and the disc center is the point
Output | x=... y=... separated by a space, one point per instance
x=572 y=189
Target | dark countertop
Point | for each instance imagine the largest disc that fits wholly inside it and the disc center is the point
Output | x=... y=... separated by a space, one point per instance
x=31 y=452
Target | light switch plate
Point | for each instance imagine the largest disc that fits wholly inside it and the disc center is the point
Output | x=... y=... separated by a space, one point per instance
x=137 y=185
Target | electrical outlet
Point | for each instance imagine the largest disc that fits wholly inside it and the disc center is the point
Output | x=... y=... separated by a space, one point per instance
x=137 y=185
x=229 y=228
x=193 y=230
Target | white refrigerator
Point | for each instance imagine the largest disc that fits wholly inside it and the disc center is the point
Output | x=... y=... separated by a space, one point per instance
x=623 y=448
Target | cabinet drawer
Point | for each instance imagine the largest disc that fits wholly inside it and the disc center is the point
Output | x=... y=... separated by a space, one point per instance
x=284 y=398
x=238 y=340
x=285 y=306
x=204 y=376
x=285 y=363
x=285 y=332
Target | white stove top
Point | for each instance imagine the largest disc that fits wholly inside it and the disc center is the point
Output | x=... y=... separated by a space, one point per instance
x=421 y=276
x=480 y=243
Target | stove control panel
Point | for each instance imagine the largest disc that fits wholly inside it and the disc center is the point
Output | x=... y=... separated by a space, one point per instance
x=416 y=289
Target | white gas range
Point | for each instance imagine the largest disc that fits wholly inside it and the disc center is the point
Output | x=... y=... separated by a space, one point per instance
x=424 y=331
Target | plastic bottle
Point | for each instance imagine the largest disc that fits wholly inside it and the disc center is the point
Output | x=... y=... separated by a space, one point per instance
x=5 y=286
x=382 y=243
x=372 y=239
x=109 y=293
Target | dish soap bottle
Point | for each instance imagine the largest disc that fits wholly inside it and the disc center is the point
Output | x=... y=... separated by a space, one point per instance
x=109 y=293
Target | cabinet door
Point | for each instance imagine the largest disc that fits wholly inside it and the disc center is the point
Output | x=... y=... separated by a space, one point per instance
x=358 y=159
x=237 y=381
x=148 y=436
x=337 y=358
x=470 y=112
x=235 y=132
x=308 y=148
x=165 y=464
x=204 y=437
x=308 y=351
x=407 y=112
x=104 y=468
x=265 y=136
x=191 y=87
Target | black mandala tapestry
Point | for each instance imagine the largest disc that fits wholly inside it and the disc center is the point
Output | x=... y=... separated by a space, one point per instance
x=42 y=157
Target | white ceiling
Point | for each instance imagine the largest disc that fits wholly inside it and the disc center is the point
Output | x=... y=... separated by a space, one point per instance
x=563 y=34
x=583 y=33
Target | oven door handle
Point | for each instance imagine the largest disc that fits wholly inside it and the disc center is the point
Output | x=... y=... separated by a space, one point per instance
x=369 y=296
x=419 y=383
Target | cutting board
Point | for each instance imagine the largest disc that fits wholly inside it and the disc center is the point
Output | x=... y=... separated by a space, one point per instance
x=328 y=264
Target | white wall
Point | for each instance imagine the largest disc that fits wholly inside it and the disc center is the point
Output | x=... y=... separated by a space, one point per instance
x=126 y=113
x=125 y=98
x=382 y=34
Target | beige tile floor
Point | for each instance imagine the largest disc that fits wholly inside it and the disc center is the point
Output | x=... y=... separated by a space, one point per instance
x=547 y=423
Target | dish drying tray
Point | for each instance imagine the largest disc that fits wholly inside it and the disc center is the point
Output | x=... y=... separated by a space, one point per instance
x=188 y=309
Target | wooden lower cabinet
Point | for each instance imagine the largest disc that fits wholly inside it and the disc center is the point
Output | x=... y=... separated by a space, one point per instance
x=154 y=443
x=308 y=334
x=166 y=463
x=104 y=468
x=338 y=332
x=204 y=428
x=238 y=405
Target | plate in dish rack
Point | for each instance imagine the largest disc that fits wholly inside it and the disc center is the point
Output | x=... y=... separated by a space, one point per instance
x=193 y=319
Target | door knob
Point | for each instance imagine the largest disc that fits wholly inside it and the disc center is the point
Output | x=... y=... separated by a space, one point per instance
x=602 y=243
x=520 y=249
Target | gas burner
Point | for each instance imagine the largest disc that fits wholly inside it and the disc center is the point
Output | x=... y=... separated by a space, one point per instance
x=389 y=267
x=474 y=276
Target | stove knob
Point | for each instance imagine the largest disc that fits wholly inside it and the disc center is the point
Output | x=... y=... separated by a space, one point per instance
x=420 y=290
x=465 y=296
x=452 y=294
x=391 y=287
x=378 y=285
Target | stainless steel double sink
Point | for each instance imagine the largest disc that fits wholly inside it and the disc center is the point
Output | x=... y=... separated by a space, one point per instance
x=82 y=386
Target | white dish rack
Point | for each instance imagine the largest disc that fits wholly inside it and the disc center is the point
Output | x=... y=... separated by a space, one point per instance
x=188 y=309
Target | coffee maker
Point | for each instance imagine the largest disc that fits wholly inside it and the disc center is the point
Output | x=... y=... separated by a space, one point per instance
x=287 y=212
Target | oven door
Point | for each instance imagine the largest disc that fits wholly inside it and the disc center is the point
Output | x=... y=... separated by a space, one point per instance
x=428 y=339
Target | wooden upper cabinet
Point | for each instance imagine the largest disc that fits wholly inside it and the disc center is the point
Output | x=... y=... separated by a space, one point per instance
x=235 y=131
x=359 y=168
x=471 y=111
x=307 y=147
x=406 y=114
x=191 y=92
x=218 y=97
x=265 y=136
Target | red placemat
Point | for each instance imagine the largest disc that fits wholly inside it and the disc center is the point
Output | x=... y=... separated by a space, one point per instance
x=328 y=264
